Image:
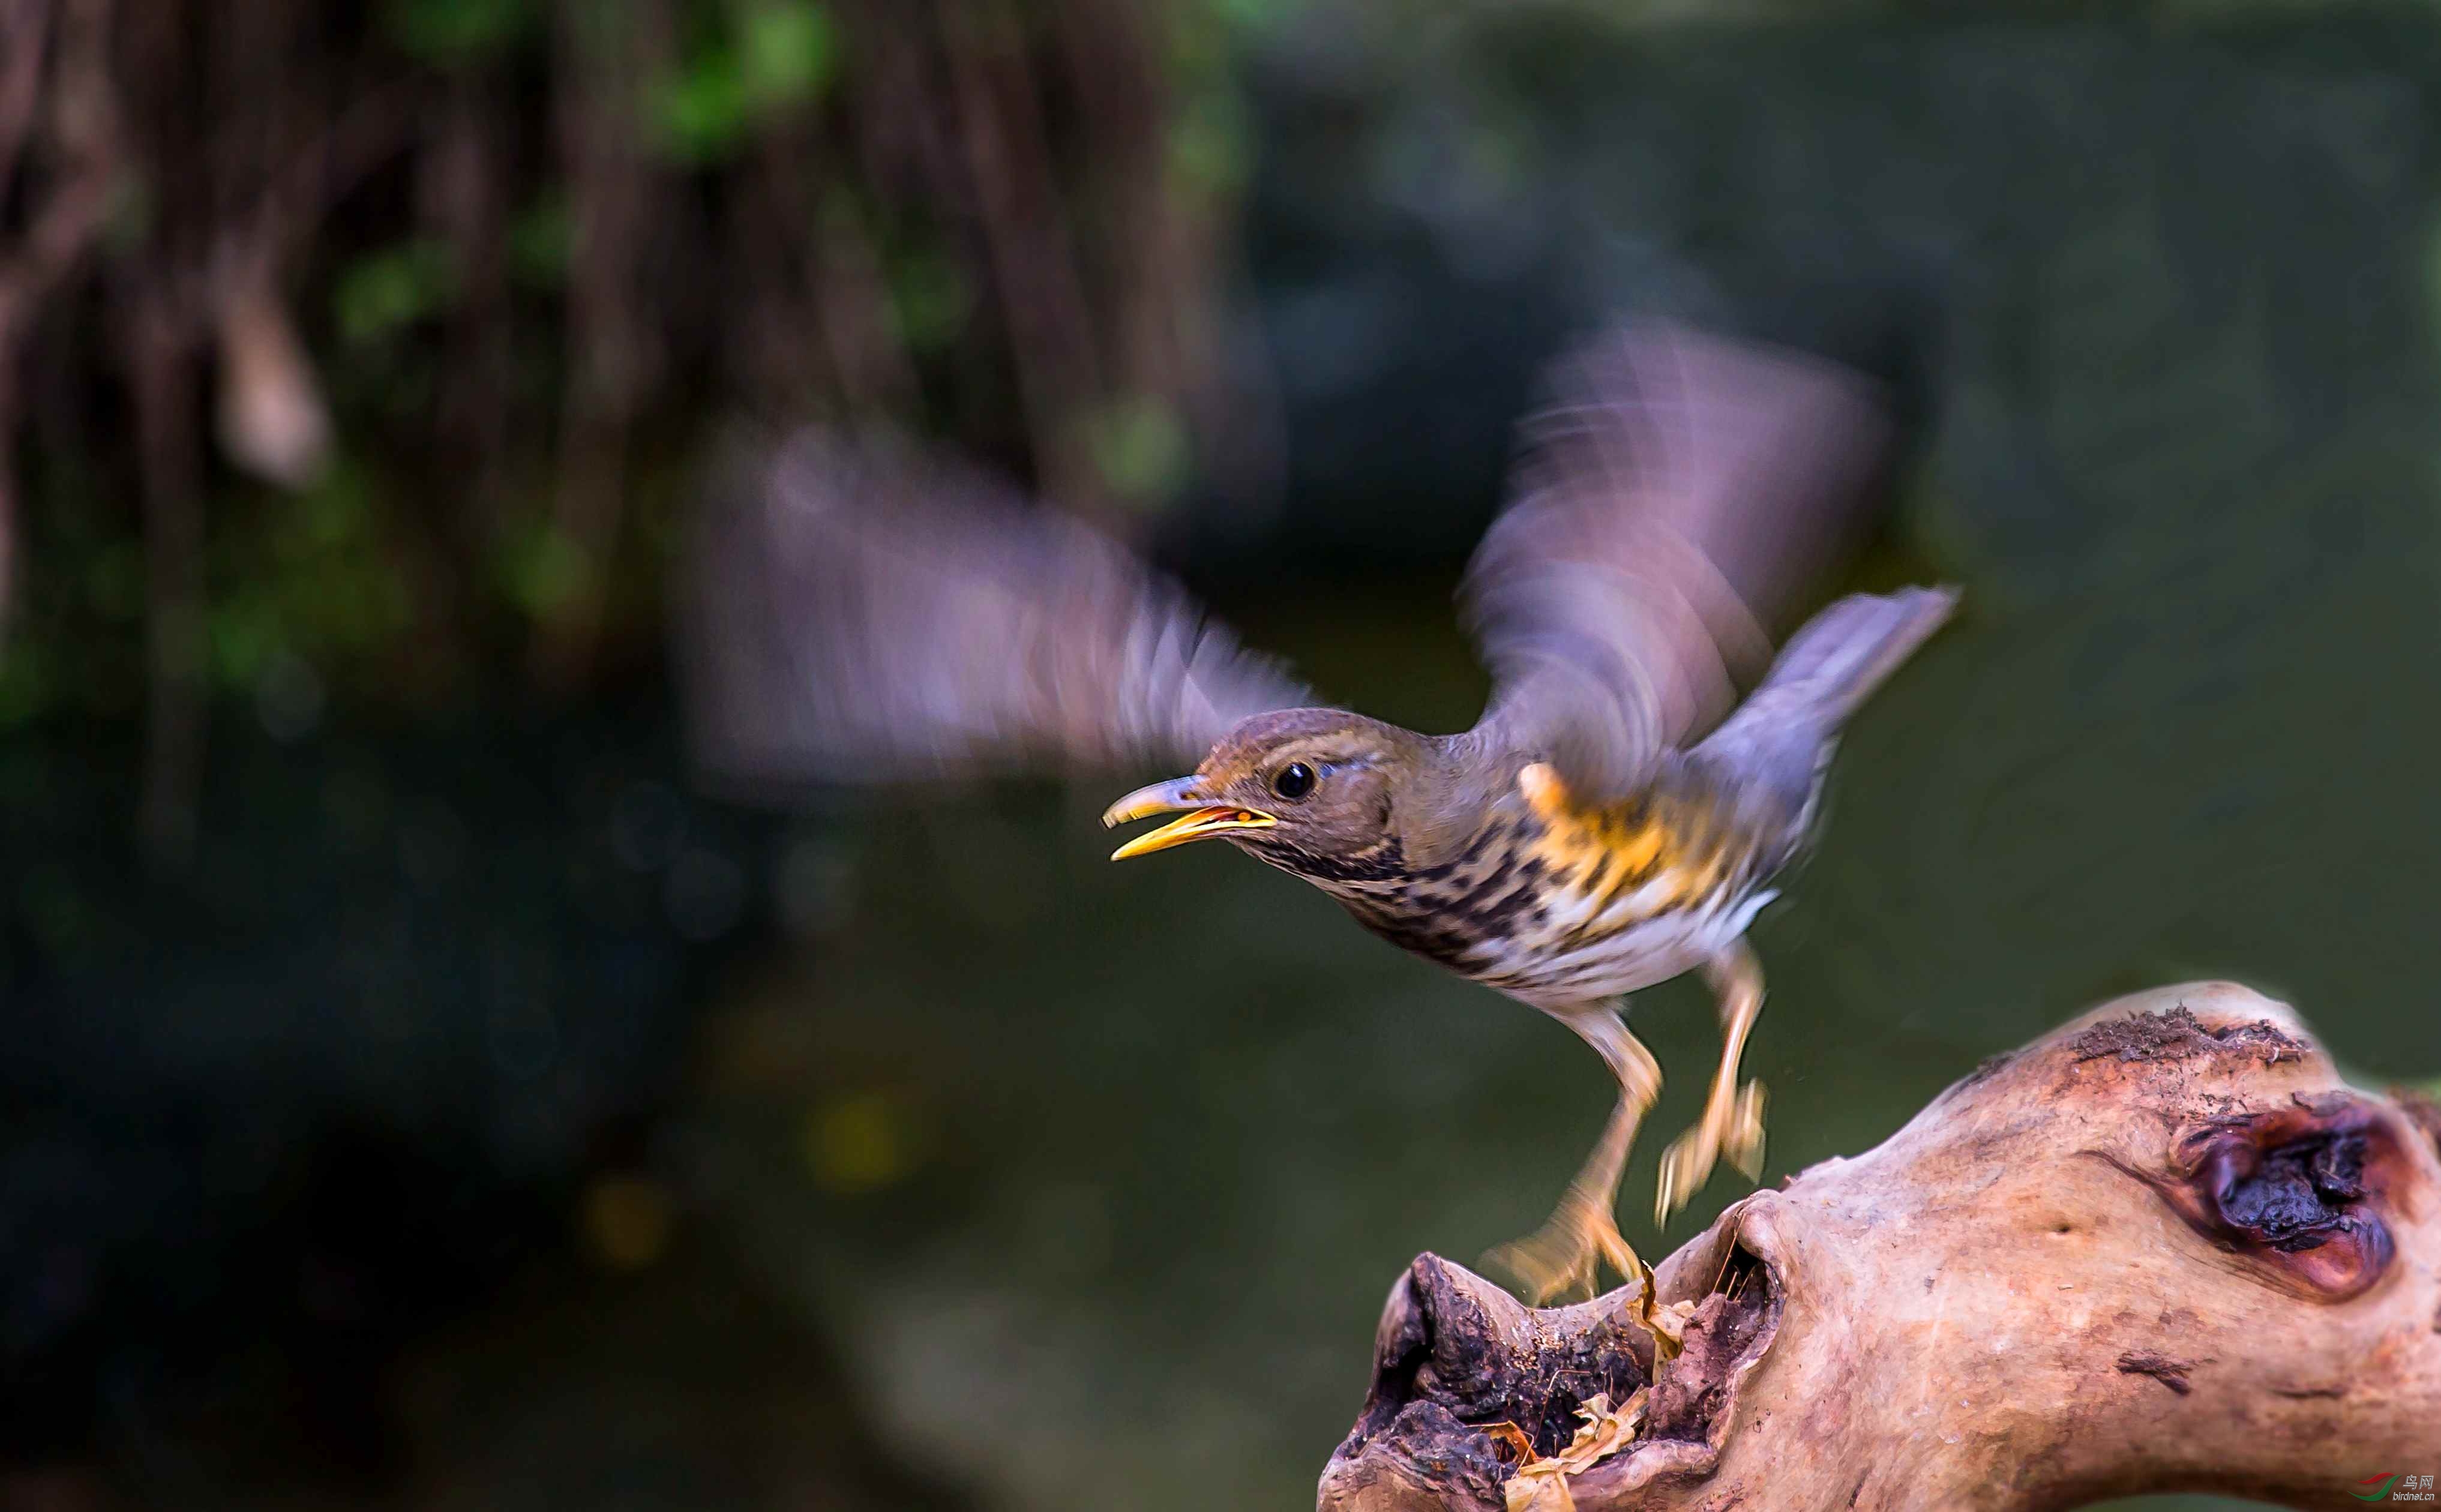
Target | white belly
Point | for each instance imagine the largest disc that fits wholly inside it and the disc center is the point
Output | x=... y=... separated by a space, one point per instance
x=1556 y=978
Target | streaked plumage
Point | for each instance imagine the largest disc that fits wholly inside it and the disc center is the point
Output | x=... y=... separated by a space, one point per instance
x=860 y=613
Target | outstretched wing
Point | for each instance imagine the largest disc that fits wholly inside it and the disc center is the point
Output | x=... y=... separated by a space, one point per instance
x=1668 y=507
x=858 y=611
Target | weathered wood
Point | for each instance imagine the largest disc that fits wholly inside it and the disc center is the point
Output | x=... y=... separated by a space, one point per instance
x=2162 y=1249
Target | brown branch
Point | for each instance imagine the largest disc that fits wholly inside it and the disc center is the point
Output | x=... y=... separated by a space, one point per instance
x=84 y=125
x=801 y=238
x=1034 y=263
x=2164 y=1249
x=370 y=131
x=83 y=135
x=1163 y=244
x=1131 y=211
x=24 y=41
x=283 y=159
x=853 y=305
x=464 y=183
x=161 y=379
x=607 y=54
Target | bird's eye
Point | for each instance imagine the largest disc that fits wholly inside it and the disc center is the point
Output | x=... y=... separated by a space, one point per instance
x=1294 y=781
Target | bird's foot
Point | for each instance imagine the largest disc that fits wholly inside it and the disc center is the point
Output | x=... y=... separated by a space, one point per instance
x=1563 y=1259
x=1731 y=1128
x=1744 y=1143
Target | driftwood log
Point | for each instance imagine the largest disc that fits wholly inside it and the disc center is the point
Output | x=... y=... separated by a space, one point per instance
x=2162 y=1249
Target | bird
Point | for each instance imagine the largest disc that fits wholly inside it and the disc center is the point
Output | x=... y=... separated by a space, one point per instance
x=865 y=609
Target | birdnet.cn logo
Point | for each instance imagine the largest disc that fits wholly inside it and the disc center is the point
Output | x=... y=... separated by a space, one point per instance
x=2389 y=1486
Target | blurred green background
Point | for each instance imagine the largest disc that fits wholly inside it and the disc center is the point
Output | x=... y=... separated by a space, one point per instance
x=420 y=1095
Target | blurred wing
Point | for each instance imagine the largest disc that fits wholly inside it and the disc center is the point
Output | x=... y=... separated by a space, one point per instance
x=1780 y=738
x=858 y=612
x=1670 y=505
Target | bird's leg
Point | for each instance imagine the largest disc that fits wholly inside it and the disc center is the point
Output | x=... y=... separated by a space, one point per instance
x=1732 y=1121
x=1566 y=1253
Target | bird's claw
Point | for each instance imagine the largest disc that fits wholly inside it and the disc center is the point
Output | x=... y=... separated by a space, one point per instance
x=1564 y=1258
x=1684 y=1166
x=1734 y=1129
x=1744 y=1144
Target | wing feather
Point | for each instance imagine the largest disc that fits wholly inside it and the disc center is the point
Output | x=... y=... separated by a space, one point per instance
x=1670 y=504
x=859 y=611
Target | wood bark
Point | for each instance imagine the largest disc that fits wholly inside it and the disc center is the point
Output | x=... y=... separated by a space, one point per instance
x=2164 y=1249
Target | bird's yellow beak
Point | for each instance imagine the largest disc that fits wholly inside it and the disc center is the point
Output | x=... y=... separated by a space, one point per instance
x=1203 y=820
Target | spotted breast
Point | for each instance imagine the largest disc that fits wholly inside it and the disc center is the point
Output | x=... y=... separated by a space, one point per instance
x=1558 y=904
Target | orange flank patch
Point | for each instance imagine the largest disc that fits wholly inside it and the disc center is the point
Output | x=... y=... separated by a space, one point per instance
x=1601 y=853
x=1703 y=879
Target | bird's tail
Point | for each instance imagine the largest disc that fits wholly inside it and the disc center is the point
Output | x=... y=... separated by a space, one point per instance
x=1837 y=659
x=1824 y=673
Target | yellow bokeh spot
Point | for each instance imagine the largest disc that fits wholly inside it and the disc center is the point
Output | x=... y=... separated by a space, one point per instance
x=859 y=1142
x=627 y=1221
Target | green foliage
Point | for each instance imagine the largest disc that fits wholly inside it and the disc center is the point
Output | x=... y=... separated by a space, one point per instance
x=455 y=32
x=930 y=299
x=1210 y=147
x=114 y=582
x=1210 y=141
x=24 y=679
x=1140 y=445
x=376 y=296
x=543 y=570
x=700 y=114
x=774 y=56
x=786 y=53
x=1251 y=15
x=448 y=423
x=539 y=242
x=315 y=577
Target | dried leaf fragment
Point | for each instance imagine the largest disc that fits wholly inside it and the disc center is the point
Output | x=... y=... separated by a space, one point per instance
x=1541 y=1485
x=1668 y=1325
x=1512 y=1439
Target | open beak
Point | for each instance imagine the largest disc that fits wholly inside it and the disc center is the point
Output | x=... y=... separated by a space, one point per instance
x=1202 y=822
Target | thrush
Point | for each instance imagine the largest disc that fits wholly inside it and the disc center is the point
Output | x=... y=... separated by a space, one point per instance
x=865 y=611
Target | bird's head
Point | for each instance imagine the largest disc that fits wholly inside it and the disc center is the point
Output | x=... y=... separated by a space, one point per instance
x=1312 y=791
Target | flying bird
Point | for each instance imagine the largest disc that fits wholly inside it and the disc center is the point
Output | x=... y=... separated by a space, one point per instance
x=1616 y=817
